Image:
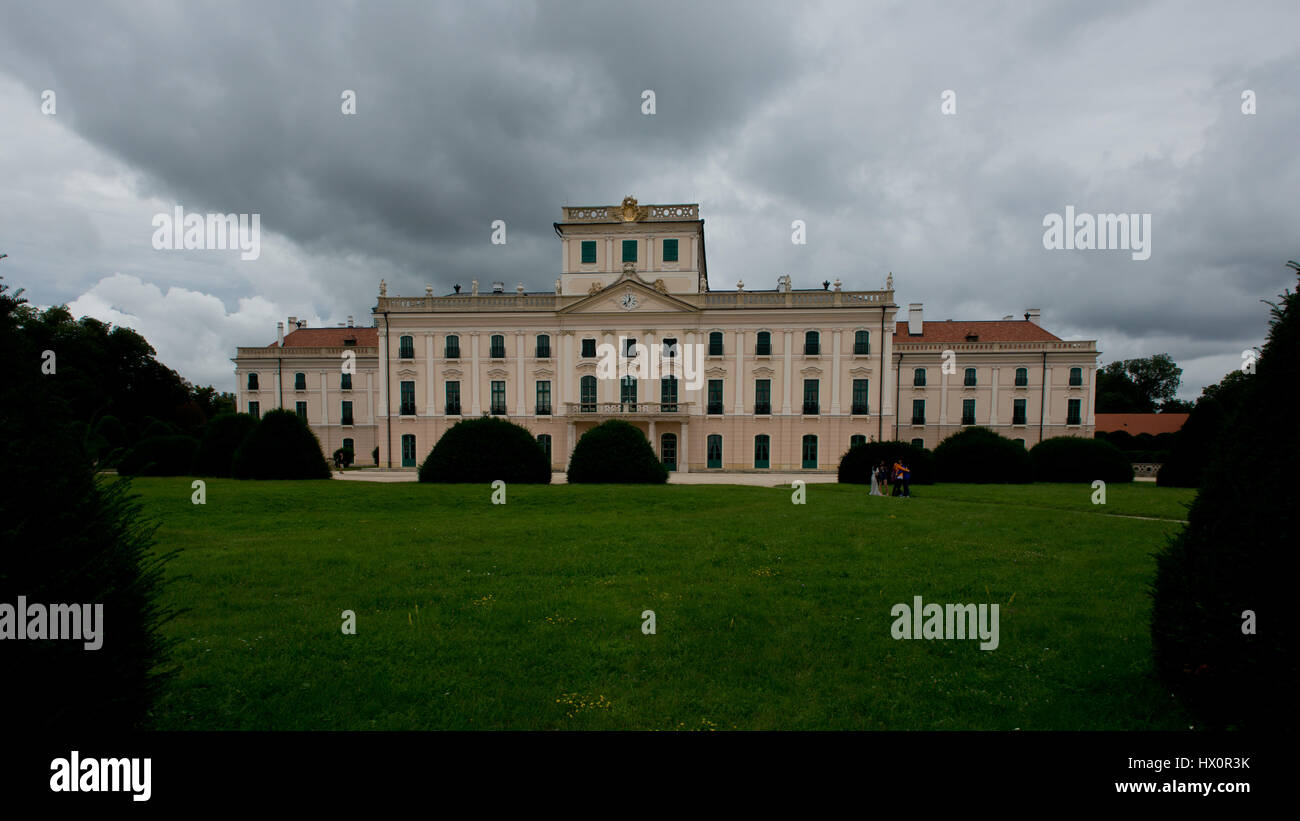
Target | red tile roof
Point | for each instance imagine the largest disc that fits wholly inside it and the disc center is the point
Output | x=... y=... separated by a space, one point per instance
x=992 y=330
x=1136 y=423
x=329 y=337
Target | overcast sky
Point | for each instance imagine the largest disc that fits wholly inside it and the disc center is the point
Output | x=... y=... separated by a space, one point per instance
x=766 y=113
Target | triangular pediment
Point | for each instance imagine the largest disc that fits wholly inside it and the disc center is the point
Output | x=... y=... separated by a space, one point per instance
x=614 y=299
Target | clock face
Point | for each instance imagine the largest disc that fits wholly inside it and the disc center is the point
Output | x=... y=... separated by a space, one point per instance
x=628 y=301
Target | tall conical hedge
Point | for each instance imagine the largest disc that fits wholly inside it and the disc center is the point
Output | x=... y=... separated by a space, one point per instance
x=485 y=450
x=280 y=447
x=1194 y=445
x=1236 y=554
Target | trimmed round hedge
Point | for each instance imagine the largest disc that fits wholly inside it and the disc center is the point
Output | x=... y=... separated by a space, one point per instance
x=485 y=450
x=858 y=461
x=221 y=438
x=280 y=447
x=1194 y=446
x=1072 y=459
x=159 y=456
x=980 y=456
x=615 y=452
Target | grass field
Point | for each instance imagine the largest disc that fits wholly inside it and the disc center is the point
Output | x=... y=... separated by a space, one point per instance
x=769 y=615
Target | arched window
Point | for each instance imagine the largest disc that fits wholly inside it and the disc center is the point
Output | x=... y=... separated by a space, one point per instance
x=861 y=342
x=764 y=344
x=809 y=451
x=498 y=347
x=668 y=450
x=812 y=343
x=453 y=346
x=300 y=381
x=762 y=451
x=857 y=439
x=668 y=394
x=970 y=378
x=252 y=381
x=587 y=394
x=1022 y=377
x=715 y=343
x=714 y=451
x=543 y=346
x=627 y=392
x=918 y=378
x=544 y=440
x=406 y=347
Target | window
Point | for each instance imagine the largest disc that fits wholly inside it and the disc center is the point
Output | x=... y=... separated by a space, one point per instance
x=969 y=381
x=498 y=347
x=763 y=396
x=812 y=345
x=408 y=399
x=762 y=451
x=1073 y=416
x=764 y=346
x=1076 y=377
x=347 y=412
x=714 y=451
x=453 y=399
x=668 y=450
x=498 y=397
x=1018 y=412
x=408 y=450
x=453 y=347
x=861 y=343
x=345 y=382
x=300 y=381
x=670 y=348
x=968 y=411
x=587 y=393
x=670 y=250
x=715 y=343
x=860 y=406
x=252 y=381
x=544 y=442
x=809 y=452
x=348 y=445
x=918 y=378
x=629 y=347
x=715 y=396
x=857 y=439
x=301 y=409
x=920 y=443
x=254 y=409
x=629 y=250
x=1022 y=377
x=406 y=348
x=811 y=395
x=668 y=394
x=543 y=346
x=627 y=392
x=918 y=411
x=544 y=398
x=1022 y=443
x=588 y=251
x=588 y=348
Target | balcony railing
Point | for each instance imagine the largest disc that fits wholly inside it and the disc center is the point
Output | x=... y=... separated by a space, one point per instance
x=628 y=408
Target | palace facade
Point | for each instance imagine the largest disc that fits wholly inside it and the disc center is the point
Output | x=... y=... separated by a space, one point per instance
x=718 y=380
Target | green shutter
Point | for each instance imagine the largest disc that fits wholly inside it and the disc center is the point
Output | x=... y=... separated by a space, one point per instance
x=670 y=250
x=588 y=251
x=629 y=250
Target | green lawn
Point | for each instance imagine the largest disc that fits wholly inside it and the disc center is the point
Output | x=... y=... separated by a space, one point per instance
x=769 y=615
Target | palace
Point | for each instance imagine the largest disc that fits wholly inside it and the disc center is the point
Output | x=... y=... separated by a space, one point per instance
x=790 y=377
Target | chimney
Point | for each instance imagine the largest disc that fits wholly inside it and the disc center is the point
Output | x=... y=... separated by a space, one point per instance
x=914 y=326
x=350 y=320
x=293 y=323
x=279 y=334
x=1032 y=315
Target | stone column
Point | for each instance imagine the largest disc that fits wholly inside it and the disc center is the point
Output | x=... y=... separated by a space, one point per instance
x=993 y=401
x=789 y=372
x=474 y=407
x=520 y=406
x=1090 y=417
x=739 y=379
x=835 y=370
x=683 y=463
x=383 y=380
x=430 y=388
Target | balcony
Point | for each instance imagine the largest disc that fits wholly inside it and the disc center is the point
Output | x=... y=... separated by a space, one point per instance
x=626 y=409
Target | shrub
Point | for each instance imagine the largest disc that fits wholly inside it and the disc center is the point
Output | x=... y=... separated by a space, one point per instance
x=615 y=452
x=159 y=456
x=1072 y=459
x=979 y=455
x=222 y=437
x=484 y=450
x=1194 y=446
x=374 y=454
x=858 y=461
x=156 y=428
x=1236 y=554
x=344 y=457
x=280 y=447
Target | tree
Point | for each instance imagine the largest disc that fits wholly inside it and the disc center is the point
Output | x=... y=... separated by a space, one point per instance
x=280 y=447
x=1235 y=559
x=1137 y=385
